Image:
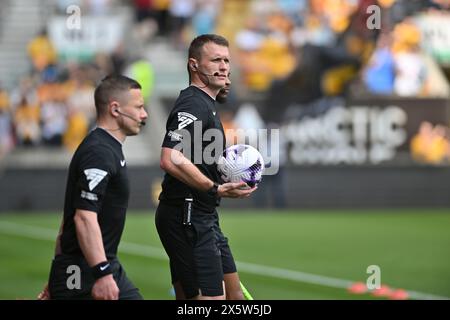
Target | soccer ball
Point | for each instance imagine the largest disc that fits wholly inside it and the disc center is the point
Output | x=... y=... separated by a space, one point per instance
x=241 y=162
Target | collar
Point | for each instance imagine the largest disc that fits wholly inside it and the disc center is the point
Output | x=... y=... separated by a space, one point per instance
x=103 y=129
x=204 y=92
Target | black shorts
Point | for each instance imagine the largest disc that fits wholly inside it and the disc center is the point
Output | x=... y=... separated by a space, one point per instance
x=199 y=253
x=62 y=286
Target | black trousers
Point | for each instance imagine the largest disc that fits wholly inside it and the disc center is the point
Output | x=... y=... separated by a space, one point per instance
x=199 y=253
x=71 y=278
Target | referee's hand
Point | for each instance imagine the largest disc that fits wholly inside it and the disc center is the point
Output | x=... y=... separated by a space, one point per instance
x=44 y=294
x=235 y=190
x=105 y=288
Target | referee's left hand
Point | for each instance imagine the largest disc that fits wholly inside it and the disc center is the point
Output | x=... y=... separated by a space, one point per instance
x=44 y=294
x=235 y=190
x=105 y=288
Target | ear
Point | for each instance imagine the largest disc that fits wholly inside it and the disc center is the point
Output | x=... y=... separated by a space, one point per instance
x=193 y=64
x=114 y=107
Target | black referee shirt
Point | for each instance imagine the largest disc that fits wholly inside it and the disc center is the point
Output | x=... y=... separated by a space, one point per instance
x=192 y=106
x=97 y=181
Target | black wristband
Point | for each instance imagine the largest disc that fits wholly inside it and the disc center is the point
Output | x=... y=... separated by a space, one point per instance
x=214 y=189
x=102 y=269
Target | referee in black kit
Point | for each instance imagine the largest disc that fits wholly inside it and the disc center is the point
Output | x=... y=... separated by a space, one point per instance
x=186 y=218
x=96 y=201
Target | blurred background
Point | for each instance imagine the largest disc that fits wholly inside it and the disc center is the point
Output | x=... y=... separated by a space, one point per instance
x=358 y=89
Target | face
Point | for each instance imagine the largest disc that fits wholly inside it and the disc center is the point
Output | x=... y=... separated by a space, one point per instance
x=215 y=60
x=135 y=109
x=223 y=93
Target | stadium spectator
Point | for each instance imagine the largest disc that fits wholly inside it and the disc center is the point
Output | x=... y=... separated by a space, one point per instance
x=186 y=218
x=6 y=139
x=145 y=25
x=161 y=12
x=26 y=88
x=379 y=74
x=265 y=55
x=431 y=144
x=204 y=18
x=77 y=128
x=97 y=199
x=142 y=10
x=409 y=64
x=42 y=52
x=54 y=123
x=80 y=95
x=410 y=74
x=181 y=12
x=26 y=123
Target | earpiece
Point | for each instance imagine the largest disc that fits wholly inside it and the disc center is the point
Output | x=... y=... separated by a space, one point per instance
x=142 y=123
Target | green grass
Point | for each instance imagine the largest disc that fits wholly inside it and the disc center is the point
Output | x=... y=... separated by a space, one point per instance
x=410 y=246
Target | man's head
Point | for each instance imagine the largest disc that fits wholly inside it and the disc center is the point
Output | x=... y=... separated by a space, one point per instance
x=223 y=93
x=209 y=62
x=118 y=99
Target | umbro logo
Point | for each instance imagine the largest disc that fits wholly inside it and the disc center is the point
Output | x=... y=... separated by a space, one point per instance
x=94 y=176
x=122 y=163
x=185 y=119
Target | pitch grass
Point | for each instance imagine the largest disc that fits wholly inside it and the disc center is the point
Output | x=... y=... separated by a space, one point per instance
x=410 y=246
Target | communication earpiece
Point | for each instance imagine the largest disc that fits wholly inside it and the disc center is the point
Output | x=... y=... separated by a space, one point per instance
x=142 y=123
x=194 y=67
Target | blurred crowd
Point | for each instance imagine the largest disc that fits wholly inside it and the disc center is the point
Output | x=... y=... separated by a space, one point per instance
x=431 y=144
x=53 y=104
x=291 y=52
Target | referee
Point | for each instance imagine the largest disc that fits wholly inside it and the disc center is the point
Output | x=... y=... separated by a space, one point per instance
x=186 y=218
x=85 y=265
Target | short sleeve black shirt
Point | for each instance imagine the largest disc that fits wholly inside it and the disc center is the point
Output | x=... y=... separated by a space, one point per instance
x=98 y=182
x=194 y=108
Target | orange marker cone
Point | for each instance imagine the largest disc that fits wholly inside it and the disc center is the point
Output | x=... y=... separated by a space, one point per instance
x=399 y=294
x=383 y=291
x=357 y=288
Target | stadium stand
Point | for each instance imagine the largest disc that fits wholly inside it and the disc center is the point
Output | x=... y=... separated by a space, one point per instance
x=303 y=67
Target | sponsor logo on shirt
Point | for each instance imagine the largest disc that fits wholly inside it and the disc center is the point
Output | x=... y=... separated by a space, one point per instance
x=89 y=195
x=175 y=136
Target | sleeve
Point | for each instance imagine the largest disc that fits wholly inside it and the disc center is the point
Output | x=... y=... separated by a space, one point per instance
x=94 y=173
x=187 y=120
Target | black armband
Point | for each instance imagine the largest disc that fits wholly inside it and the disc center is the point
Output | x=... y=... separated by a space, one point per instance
x=102 y=269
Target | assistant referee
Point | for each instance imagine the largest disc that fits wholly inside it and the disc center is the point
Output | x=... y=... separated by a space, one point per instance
x=85 y=265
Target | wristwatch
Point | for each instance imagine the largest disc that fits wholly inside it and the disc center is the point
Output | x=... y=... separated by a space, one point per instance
x=214 y=189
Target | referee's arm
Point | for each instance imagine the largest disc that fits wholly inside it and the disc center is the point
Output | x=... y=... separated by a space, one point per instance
x=90 y=240
x=180 y=167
